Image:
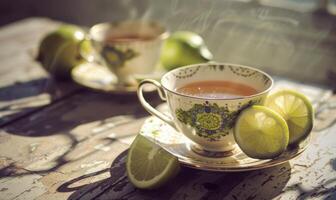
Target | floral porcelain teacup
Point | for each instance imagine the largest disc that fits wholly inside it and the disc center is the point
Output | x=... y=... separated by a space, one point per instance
x=207 y=122
x=127 y=48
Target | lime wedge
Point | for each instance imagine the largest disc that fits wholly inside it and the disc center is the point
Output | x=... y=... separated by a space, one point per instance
x=261 y=133
x=148 y=165
x=296 y=109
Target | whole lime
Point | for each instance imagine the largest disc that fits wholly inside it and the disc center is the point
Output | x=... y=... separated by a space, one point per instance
x=59 y=50
x=184 y=48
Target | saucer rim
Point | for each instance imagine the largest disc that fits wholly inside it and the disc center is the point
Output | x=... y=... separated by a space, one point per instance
x=194 y=164
x=265 y=165
x=113 y=89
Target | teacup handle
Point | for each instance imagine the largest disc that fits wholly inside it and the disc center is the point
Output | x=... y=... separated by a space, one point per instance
x=150 y=108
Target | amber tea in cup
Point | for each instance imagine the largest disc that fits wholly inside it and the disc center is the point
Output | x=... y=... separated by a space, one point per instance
x=217 y=89
x=126 y=38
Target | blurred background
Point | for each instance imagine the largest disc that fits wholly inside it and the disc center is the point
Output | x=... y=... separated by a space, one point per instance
x=287 y=38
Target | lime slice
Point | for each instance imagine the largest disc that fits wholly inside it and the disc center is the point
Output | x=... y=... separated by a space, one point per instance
x=148 y=165
x=296 y=109
x=261 y=133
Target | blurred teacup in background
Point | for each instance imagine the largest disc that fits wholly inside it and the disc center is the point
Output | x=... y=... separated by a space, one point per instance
x=127 y=48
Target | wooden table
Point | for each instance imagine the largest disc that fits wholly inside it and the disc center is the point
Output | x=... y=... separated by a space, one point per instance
x=61 y=141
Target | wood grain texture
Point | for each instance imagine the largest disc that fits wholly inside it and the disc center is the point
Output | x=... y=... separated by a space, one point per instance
x=24 y=85
x=67 y=140
x=76 y=147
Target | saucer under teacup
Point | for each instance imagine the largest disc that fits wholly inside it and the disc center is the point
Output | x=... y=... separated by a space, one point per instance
x=176 y=143
x=98 y=77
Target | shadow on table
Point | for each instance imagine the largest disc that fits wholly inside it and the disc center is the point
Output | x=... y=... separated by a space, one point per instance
x=82 y=108
x=21 y=98
x=20 y=90
x=189 y=184
x=98 y=112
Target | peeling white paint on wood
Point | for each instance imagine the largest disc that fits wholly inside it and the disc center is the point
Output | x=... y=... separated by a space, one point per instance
x=25 y=187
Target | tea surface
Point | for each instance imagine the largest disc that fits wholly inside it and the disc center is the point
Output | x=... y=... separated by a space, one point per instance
x=127 y=38
x=217 y=89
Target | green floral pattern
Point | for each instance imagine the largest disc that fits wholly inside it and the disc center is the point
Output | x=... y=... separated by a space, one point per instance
x=117 y=57
x=237 y=70
x=241 y=71
x=186 y=73
x=210 y=120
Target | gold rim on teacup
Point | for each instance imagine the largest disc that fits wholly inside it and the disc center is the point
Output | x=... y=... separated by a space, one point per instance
x=207 y=122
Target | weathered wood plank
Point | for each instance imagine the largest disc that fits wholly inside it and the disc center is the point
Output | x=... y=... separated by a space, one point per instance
x=67 y=140
x=24 y=85
x=312 y=176
x=81 y=117
x=18 y=44
x=67 y=151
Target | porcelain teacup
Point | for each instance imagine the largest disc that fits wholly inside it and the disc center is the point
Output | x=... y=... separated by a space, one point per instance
x=127 y=48
x=207 y=122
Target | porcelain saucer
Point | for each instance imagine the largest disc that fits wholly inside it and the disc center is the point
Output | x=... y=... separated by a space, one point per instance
x=180 y=146
x=97 y=77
